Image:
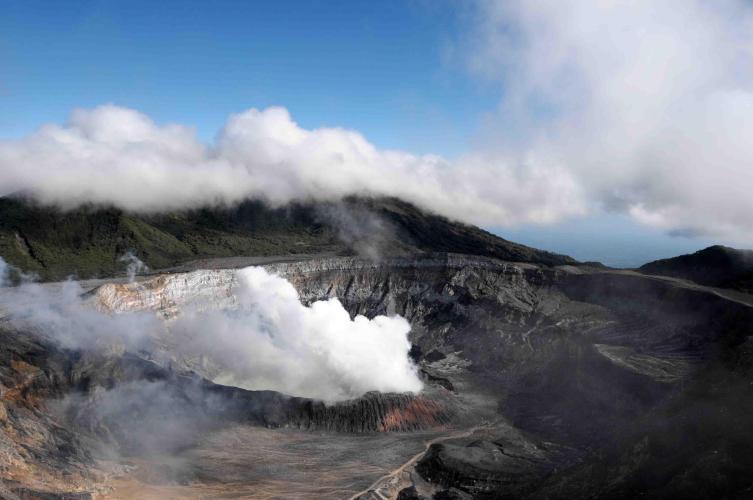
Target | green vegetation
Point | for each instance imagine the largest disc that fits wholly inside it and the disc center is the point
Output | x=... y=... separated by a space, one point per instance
x=87 y=242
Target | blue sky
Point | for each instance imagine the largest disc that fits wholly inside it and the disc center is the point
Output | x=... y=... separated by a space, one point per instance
x=378 y=67
x=384 y=68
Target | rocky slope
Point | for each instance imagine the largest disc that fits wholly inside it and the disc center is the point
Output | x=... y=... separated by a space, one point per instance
x=716 y=266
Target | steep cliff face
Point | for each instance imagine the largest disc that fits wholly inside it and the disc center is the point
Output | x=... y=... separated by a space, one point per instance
x=167 y=294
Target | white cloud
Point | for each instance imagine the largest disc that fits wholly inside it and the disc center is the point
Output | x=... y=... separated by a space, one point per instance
x=647 y=105
x=119 y=156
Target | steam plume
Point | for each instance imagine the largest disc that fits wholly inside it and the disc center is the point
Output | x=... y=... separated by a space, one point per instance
x=271 y=341
x=274 y=342
x=60 y=312
x=134 y=265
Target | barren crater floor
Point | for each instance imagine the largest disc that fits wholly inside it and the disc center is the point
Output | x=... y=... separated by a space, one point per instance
x=540 y=382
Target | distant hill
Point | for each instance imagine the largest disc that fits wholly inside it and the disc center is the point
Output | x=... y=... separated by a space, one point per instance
x=87 y=242
x=717 y=266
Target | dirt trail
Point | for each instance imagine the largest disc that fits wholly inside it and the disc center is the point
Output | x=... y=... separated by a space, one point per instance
x=376 y=485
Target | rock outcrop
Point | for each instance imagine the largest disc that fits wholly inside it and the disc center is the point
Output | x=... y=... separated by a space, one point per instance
x=481 y=467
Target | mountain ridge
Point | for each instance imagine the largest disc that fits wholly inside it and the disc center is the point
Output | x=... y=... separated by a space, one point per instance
x=89 y=241
x=717 y=266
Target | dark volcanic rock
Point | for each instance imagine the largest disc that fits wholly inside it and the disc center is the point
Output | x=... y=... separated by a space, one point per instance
x=170 y=411
x=452 y=494
x=375 y=412
x=408 y=493
x=29 y=494
x=596 y=361
x=717 y=266
x=434 y=356
x=440 y=381
x=479 y=468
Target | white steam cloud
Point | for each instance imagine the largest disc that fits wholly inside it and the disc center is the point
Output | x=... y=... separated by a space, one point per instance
x=134 y=265
x=4 y=272
x=60 y=312
x=642 y=107
x=272 y=341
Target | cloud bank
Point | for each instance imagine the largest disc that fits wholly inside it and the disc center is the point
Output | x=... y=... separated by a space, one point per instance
x=118 y=156
x=643 y=108
x=647 y=105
